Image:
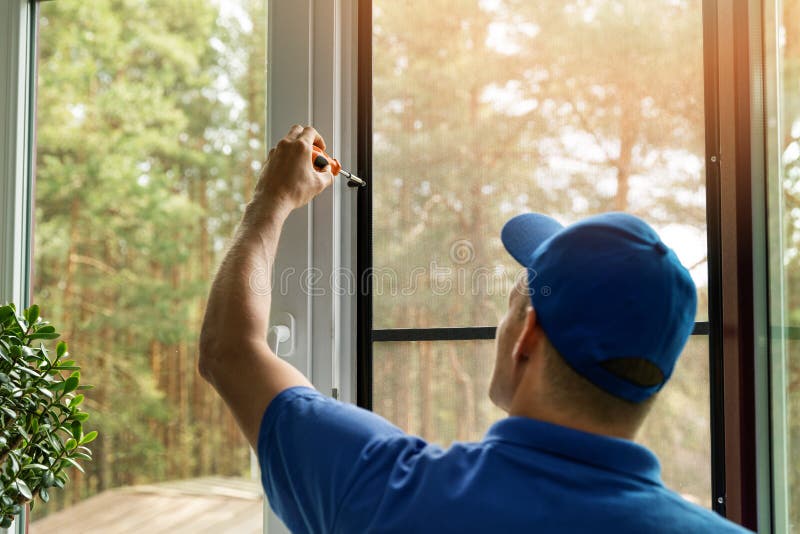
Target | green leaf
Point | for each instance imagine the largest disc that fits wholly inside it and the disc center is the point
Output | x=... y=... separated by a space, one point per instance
x=76 y=429
x=24 y=433
x=76 y=401
x=23 y=489
x=28 y=370
x=61 y=349
x=31 y=314
x=14 y=462
x=7 y=310
x=9 y=412
x=44 y=494
x=65 y=462
x=22 y=324
x=82 y=456
x=39 y=467
x=44 y=335
x=46 y=329
x=70 y=384
x=81 y=416
x=88 y=438
x=48 y=479
x=85 y=387
x=70 y=444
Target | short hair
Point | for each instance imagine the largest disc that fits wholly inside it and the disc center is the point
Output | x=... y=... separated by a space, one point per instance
x=570 y=392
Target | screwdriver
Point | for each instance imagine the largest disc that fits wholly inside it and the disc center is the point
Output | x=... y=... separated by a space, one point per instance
x=322 y=160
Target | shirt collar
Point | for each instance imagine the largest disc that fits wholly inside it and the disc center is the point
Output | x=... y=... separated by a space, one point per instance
x=615 y=454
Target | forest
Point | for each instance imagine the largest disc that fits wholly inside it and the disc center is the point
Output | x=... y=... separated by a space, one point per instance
x=151 y=122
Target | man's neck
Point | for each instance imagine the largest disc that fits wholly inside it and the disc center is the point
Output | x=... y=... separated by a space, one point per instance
x=572 y=422
x=529 y=401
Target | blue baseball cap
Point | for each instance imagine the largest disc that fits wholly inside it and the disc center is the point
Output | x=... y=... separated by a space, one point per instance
x=606 y=288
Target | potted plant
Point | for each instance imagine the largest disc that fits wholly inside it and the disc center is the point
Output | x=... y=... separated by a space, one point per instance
x=41 y=422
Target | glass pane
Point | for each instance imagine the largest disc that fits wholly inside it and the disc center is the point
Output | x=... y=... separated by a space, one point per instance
x=491 y=108
x=435 y=389
x=783 y=163
x=678 y=428
x=439 y=390
x=151 y=120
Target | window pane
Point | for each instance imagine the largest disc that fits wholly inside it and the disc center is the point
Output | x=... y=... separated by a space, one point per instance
x=439 y=390
x=678 y=428
x=151 y=120
x=491 y=108
x=783 y=157
x=435 y=389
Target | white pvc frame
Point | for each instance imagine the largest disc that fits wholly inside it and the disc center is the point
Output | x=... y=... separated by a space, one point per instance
x=777 y=491
x=311 y=76
x=16 y=129
x=311 y=80
x=16 y=103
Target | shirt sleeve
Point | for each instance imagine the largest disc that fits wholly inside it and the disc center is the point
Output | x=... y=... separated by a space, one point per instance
x=315 y=452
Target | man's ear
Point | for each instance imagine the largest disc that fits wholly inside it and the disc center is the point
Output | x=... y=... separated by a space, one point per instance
x=529 y=338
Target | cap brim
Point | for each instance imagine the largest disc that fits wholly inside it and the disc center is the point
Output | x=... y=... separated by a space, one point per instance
x=524 y=233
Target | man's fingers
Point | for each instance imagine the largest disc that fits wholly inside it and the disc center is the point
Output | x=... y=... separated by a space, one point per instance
x=327 y=177
x=312 y=137
x=294 y=132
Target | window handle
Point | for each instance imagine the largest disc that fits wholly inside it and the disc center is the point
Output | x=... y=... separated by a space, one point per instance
x=280 y=336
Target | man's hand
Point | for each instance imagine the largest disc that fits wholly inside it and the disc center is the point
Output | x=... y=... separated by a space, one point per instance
x=289 y=180
x=234 y=356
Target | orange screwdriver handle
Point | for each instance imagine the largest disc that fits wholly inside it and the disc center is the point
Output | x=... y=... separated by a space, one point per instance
x=320 y=160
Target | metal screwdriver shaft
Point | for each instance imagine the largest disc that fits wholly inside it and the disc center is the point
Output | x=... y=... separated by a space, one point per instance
x=321 y=162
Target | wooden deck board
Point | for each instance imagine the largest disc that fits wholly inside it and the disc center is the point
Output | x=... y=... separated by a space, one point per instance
x=199 y=506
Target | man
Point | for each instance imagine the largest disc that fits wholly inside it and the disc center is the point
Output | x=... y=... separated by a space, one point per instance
x=588 y=339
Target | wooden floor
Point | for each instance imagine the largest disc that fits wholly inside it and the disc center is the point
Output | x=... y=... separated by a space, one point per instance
x=205 y=505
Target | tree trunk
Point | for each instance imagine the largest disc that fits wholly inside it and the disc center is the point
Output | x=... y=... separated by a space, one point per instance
x=627 y=141
x=466 y=422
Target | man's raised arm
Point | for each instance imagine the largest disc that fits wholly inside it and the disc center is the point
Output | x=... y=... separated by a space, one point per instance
x=234 y=355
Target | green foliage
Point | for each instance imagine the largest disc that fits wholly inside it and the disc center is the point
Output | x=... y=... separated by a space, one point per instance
x=41 y=427
x=150 y=124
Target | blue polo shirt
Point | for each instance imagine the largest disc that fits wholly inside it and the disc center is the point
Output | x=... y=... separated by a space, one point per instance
x=333 y=467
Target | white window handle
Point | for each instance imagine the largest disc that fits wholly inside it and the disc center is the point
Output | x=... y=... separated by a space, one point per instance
x=280 y=336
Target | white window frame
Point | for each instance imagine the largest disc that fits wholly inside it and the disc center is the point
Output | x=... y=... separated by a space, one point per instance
x=16 y=134
x=16 y=103
x=777 y=397
x=312 y=79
